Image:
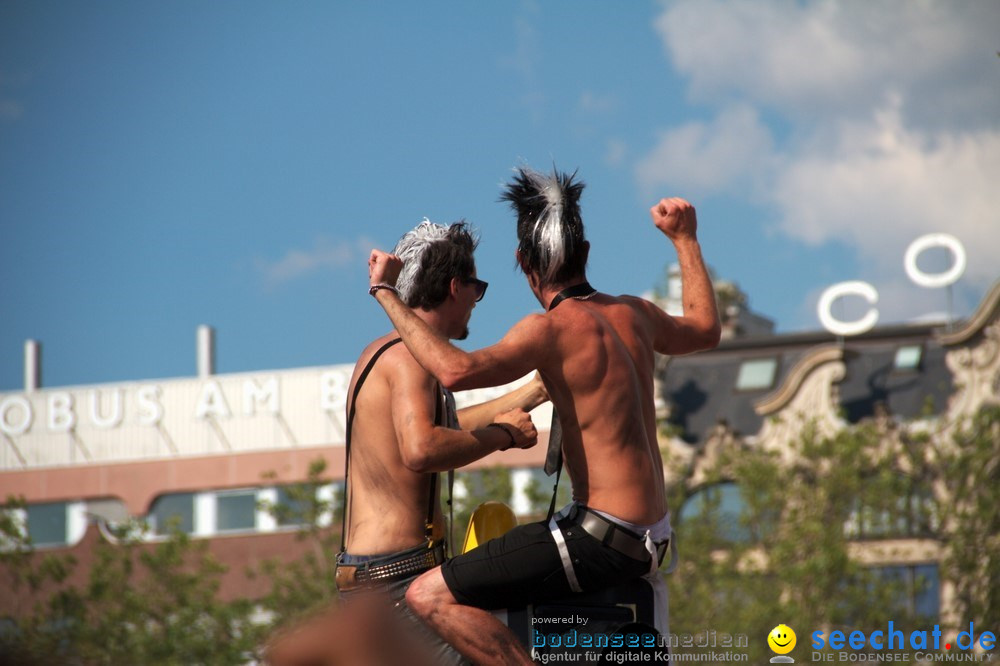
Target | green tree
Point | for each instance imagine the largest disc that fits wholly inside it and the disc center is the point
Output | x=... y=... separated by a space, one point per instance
x=158 y=603
x=791 y=554
x=971 y=478
x=301 y=586
x=141 y=604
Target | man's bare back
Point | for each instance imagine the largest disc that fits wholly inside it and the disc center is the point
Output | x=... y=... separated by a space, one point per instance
x=601 y=381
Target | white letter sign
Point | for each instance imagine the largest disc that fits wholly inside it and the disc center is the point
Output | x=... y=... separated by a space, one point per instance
x=838 y=327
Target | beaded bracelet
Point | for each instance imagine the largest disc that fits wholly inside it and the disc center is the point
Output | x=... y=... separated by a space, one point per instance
x=382 y=285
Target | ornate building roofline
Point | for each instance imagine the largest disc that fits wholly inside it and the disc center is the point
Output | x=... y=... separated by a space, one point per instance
x=780 y=397
x=989 y=308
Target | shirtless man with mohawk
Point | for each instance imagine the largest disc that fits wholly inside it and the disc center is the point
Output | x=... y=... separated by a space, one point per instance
x=595 y=355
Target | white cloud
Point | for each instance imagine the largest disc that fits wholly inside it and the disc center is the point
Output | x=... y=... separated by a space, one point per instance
x=835 y=58
x=325 y=254
x=880 y=185
x=887 y=124
x=703 y=157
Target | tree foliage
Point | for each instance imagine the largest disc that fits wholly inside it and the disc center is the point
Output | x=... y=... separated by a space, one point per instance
x=817 y=530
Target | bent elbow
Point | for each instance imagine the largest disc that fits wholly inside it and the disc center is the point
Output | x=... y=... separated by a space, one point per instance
x=451 y=381
x=417 y=459
x=712 y=337
x=455 y=376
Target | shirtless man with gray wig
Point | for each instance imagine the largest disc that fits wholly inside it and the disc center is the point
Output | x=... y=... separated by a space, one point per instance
x=595 y=354
x=403 y=432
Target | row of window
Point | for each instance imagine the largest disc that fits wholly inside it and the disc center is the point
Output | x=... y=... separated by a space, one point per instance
x=913 y=515
x=199 y=514
x=759 y=373
x=268 y=509
x=247 y=510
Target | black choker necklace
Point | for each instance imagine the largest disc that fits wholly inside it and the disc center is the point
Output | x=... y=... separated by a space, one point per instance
x=582 y=291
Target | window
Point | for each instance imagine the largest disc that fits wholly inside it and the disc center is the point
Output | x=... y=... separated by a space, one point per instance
x=170 y=509
x=236 y=511
x=915 y=589
x=908 y=358
x=291 y=505
x=756 y=374
x=47 y=524
x=911 y=512
x=721 y=507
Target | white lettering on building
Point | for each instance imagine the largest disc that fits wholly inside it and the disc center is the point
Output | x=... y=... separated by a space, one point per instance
x=97 y=418
x=254 y=394
x=61 y=415
x=212 y=402
x=932 y=280
x=13 y=405
x=150 y=409
x=869 y=293
x=838 y=327
x=333 y=391
x=112 y=407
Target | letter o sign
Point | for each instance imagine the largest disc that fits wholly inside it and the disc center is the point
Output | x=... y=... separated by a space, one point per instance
x=931 y=280
x=853 y=288
x=11 y=405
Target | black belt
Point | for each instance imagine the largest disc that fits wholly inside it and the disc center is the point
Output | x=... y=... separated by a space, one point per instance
x=615 y=536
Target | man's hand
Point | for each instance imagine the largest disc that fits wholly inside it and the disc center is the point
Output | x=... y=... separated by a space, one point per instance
x=383 y=268
x=676 y=218
x=525 y=435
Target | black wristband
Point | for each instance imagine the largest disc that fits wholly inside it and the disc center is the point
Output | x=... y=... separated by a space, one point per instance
x=513 y=442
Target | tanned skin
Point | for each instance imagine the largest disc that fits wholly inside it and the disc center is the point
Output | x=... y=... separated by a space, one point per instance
x=397 y=446
x=596 y=359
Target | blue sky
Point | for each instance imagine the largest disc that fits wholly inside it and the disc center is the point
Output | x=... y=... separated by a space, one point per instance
x=164 y=165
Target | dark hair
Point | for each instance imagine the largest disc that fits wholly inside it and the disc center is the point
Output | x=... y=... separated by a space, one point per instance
x=440 y=254
x=549 y=226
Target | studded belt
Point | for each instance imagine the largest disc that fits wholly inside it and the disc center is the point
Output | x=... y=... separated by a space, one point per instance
x=371 y=574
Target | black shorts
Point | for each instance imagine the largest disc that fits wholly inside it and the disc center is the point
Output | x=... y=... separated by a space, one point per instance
x=523 y=566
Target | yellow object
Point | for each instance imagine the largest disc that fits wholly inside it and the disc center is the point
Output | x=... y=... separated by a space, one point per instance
x=489 y=520
x=781 y=639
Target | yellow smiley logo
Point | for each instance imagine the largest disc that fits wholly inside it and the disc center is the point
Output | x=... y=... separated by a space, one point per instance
x=781 y=639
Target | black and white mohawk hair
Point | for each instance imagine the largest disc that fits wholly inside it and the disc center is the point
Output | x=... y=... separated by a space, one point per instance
x=411 y=248
x=549 y=226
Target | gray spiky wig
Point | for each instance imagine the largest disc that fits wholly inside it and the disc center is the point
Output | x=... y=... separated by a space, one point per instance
x=432 y=255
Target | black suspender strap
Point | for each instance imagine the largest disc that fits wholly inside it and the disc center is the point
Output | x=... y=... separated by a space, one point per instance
x=438 y=420
x=350 y=423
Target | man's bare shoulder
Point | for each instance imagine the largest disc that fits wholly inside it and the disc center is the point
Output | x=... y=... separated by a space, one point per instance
x=635 y=301
x=643 y=306
x=394 y=359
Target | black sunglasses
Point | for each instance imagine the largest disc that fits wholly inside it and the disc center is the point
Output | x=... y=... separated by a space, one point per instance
x=480 y=287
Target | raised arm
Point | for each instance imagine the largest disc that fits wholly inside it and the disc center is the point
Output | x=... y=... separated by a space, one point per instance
x=426 y=447
x=521 y=350
x=699 y=327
